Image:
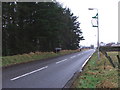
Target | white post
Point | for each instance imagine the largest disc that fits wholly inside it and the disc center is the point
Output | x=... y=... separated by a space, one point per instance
x=98 y=47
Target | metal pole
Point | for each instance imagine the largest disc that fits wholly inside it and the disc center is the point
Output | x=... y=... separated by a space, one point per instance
x=98 y=47
x=98 y=36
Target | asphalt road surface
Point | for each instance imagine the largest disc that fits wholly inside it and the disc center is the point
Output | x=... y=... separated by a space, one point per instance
x=51 y=73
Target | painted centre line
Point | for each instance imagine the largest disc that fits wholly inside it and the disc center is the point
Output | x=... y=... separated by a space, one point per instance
x=28 y=73
x=73 y=57
x=78 y=54
x=61 y=61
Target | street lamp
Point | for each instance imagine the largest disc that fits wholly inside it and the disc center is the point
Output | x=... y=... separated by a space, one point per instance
x=97 y=19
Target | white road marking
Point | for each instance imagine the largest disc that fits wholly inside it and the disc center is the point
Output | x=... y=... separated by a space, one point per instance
x=78 y=54
x=82 y=53
x=73 y=57
x=61 y=61
x=29 y=73
x=87 y=60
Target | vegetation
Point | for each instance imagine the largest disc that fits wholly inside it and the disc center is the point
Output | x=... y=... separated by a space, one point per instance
x=23 y=58
x=38 y=27
x=99 y=74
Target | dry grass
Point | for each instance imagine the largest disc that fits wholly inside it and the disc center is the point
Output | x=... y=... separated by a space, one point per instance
x=32 y=56
x=99 y=73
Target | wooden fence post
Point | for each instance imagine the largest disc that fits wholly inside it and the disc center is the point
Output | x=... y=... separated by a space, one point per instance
x=118 y=61
x=109 y=58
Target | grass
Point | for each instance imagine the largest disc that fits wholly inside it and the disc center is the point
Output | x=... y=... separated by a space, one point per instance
x=16 y=59
x=98 y=73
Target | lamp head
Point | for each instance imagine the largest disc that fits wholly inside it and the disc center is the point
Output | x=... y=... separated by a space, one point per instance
x=90 y=8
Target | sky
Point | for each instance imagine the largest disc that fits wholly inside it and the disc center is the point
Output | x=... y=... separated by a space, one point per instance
x=108 y=19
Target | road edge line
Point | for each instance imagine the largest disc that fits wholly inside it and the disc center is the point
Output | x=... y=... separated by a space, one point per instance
x=70 y=82
x=87 y=60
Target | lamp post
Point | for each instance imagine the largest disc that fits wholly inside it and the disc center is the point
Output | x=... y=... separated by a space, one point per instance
x=96 y=17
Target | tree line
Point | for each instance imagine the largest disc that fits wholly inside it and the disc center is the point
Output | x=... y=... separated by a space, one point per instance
x=38 y=26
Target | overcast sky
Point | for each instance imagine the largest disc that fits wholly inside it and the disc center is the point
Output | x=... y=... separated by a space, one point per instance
x=108 y=19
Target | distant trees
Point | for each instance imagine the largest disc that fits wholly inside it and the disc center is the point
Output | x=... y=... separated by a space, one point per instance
x=29 y=27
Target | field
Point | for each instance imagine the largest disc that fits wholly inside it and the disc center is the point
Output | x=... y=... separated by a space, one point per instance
x=99 y=73
x=17 y=59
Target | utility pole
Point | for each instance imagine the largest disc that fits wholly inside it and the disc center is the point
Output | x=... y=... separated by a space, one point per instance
x=97 y=18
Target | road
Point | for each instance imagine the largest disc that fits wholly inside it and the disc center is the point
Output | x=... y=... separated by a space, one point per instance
x=51 y=73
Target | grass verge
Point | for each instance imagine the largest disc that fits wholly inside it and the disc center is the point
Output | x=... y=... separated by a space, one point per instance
x=98 y=73
x=16 y=59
